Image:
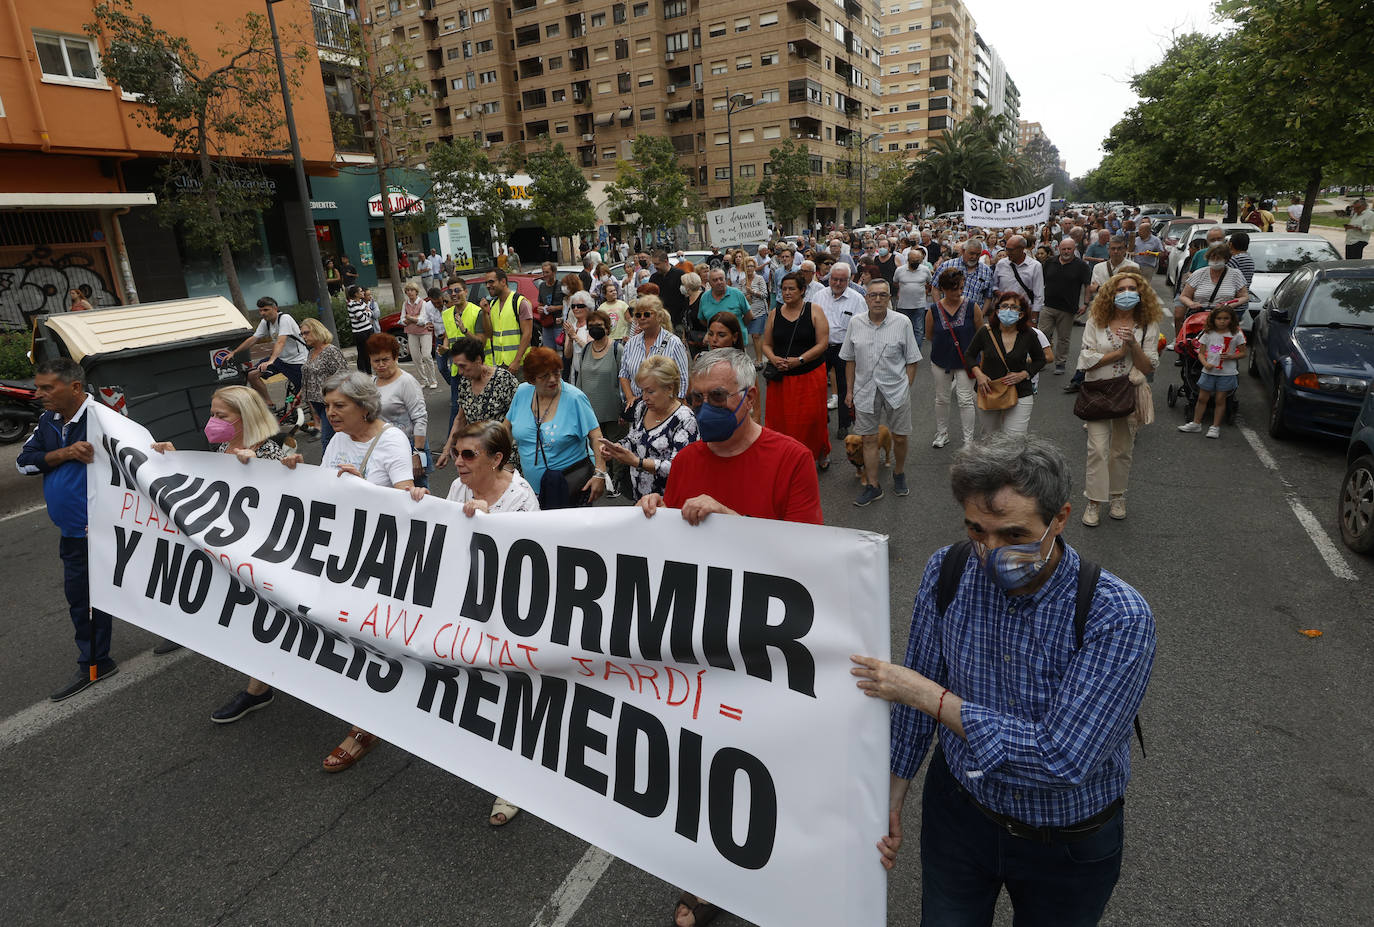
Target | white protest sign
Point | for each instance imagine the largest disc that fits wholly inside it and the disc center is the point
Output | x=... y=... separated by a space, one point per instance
x=737 y=225
x=679 y=696
x=1021 y=210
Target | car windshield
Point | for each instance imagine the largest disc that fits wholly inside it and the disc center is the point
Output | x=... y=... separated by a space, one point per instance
x=1283 y=257
x=1341 y=301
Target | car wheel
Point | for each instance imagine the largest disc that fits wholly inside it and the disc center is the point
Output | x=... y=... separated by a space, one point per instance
x=13 y=428
x=1356 y=510
x=404 y=356
x=1278 y=427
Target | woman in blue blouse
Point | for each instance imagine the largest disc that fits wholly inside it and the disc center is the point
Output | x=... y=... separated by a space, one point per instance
x=558 y=435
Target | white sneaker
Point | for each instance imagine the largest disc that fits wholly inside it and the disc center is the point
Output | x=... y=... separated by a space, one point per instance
x=941 y=440
x=1118 y=509
x=833 y=402
x=1091 y=515
x=1191 y=428
x=1214 y=432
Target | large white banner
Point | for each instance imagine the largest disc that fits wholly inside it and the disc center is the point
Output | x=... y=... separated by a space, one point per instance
x=737 y=225
x=997 y=214
x=678 y=696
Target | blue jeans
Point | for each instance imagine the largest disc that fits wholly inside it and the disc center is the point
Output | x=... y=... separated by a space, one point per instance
x=452 y=380
x=92 y=625
x=966 y=859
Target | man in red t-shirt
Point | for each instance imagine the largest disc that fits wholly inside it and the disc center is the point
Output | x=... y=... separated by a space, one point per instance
x=738 y=467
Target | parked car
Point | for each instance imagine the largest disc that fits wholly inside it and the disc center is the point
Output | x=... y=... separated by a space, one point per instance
x=1176 y=230
x=1278 y=254
x=1313 y=347
x=527 y=285
x=1355 y=510
x=1179 y=253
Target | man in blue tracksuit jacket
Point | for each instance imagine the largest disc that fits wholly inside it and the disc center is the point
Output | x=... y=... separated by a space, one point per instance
x=58 y=449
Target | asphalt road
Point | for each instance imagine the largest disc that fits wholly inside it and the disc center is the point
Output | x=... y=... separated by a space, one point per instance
x=126 y=805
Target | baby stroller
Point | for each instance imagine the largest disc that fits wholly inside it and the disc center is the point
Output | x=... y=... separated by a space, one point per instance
x=1186 y=346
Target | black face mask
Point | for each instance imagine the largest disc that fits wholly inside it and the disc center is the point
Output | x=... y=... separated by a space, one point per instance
x=643 y=263
x=596 y=331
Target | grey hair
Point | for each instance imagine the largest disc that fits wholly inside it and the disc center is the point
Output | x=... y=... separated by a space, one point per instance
x=358 y=387
x=1117 y=240
x=692 y=280
x=1029 y=466
x=741 y=363
x=974 y=243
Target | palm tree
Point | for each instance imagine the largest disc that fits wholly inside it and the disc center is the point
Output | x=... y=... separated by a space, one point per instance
x=976 y=155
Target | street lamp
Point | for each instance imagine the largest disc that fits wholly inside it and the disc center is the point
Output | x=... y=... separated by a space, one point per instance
x=733 y=104
x=863 y=143
x=326 y=308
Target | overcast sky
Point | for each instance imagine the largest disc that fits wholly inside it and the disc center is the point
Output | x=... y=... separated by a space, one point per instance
x=1072 y=60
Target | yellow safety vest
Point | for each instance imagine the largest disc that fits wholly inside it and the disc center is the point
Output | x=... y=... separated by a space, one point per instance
x=505 y=326
x=464 y=327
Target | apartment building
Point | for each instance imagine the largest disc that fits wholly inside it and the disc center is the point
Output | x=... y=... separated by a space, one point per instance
x=593 y=75
x=928 y=70
x=993 y=86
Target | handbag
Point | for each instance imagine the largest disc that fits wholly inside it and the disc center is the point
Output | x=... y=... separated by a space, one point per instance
x=771 y=373
x=560 y=489
x=999 y=396
x=1113 y=397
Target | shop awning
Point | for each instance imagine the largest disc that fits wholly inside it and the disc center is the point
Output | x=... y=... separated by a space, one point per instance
x=604 y=119
x=75 y=200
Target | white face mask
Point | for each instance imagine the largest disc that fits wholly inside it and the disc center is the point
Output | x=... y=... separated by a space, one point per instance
x=1216 y=265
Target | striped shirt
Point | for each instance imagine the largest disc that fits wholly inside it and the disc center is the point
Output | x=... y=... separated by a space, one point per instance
x=666 y=343
x=1048 y=725
x=978 y=282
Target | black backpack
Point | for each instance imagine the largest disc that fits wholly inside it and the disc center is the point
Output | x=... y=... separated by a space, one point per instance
x=952 y=571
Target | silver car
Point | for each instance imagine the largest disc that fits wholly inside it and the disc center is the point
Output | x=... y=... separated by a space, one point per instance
x=1179 y=254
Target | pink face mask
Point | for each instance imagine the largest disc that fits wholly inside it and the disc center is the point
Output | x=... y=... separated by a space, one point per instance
x=218 y=431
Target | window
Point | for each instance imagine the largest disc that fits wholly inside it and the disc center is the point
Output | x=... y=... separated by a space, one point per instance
x=914 y=68
x=815 y=164
x=487 y=77
x=559 y=95
x=413 y=32
x=722 y=138
x=491 y=107
x=643 y=45
x=607 y=154
x=467 y=49
x=598 y=20
x=768 y=19
x=770 y=96
x=746 y=170
x=772 y=131
x=894 y=30
x=455 y=83
x=715 y=29
x=768 y=58
x=768 y=168
x=719 y=67
x=482 y=15
x=913 y=106
x=602 y=54
x=646 y=79
x=551 y=30
x=718 y=104
x=895 y=69
x=622 y=49
x=455 y=52
x=556 y=63
x=647 y=114
x=746 y=136
x=618 y=14
x=641 y=9
x=603 y=86
x=910 y=145
x=722 y=173
x=623 y=81
x=67 y=59
x=742 y=24
x=560 y=128
x=913 y=126
x=744 y=63
x=677 y=42
x=484 y=46
x=449 y=24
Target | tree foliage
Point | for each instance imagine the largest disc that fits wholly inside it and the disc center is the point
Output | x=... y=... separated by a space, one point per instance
x=558 y=192
x=466 y=183
x=651 y=189
x=786 y=191
x=220 y=112
x=976 y=156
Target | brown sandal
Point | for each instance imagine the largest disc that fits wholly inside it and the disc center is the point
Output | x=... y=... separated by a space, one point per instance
x=340 y=759
x=702 y=911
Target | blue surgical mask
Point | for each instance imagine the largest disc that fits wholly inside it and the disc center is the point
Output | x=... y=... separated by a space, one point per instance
x=1008 y=316
x=717 y=423
x=1013 y=566
x=882 y=252
x=1128 y=299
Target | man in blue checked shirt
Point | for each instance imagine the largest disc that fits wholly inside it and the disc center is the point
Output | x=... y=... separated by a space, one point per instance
x=1025 y=790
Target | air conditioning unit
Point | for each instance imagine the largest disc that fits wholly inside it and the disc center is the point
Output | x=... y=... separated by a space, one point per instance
x=791 y=48
x=672 y=88
x=588 y=137
x=669 y=57
x=486 y=143
x=697 y=85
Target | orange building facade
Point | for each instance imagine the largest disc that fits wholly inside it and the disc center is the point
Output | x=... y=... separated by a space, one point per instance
x=79 y=175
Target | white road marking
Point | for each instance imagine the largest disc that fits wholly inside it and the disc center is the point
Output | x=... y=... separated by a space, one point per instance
x=37 y=718
x=564 y=903
x=22 y=512
x=1310 y=523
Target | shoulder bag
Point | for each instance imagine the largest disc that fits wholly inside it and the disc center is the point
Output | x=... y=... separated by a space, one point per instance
x=958 y=349
x=999 y=396
x=771 y=373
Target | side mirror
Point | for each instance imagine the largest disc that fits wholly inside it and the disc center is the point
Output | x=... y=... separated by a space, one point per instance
x=1279 y=315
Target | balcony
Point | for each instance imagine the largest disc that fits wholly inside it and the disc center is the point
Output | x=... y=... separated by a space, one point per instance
x=943 y=63
x=805 y=4
x=853 y=10
x=524 y=6
x=578 y=59
x=531 y=67
x=333 y=30
x=805 y=128
x=527 y=35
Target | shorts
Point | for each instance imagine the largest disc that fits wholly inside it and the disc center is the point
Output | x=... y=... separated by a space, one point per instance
x=1211 y=383
x=898 y=420
x=757 y=326
x=292 y=372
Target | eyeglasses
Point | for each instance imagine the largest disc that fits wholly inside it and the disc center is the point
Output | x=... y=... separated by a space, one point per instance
x=716 y=397
x=642 y=315
x=468 y=453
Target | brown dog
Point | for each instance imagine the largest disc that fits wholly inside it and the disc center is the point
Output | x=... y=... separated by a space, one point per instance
x=854 y=450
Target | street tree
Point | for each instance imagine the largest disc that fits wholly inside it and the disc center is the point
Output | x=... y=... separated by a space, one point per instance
x=974 y=156
x=786 y=189
x=466 y=183
x=220 y=111
x=558 y=192
x=651 y=190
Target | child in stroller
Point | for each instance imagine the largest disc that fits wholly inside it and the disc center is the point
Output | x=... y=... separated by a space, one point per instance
x=1210 y=342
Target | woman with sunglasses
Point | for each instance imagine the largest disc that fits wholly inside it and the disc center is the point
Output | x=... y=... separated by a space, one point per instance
x=652 y=326
x=1005 y=355
x=558 y=435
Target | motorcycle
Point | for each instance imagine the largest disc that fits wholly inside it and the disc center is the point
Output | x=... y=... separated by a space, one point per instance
x=19 y=410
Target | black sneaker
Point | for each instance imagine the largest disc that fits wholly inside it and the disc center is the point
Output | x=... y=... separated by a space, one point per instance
x=868 y=494
x=81 y=679
x=240 y=705
x=166 y=645
x=1072 y=387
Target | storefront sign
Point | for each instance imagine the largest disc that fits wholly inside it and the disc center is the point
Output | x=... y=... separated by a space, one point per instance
x=323 y=204
x=399 y=203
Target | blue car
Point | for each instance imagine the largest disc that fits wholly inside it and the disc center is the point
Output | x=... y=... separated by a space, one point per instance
x=1314 y=348
x=1355 y=511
